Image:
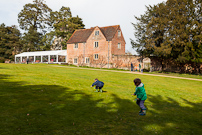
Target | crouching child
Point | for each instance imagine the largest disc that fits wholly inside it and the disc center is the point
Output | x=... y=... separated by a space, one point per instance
x=98 y=85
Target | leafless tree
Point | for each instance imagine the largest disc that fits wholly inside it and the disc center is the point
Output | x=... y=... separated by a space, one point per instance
x=102 y=60
x=81 y=61
x=117 y=61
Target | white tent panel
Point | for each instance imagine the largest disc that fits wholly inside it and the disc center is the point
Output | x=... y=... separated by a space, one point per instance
x=55 y=56
x=40 y=53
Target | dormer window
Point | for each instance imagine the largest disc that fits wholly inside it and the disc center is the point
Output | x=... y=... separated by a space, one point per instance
x=96 y=33
x=119 y=33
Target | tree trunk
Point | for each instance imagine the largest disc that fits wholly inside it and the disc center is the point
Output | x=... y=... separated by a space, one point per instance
x=162 y=65
x=181 y=68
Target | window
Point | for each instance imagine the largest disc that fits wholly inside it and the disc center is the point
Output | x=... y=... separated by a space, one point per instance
x=53 y=58
x=87 y=60
x=119 y=45
x=38 y=59
x=45 y=58
x=76 y=45
x=96 y=56
x=96 y=33
x=61 y=58
x=17 y=59
x=75 y=61
x=96 y=44
x=119 y=33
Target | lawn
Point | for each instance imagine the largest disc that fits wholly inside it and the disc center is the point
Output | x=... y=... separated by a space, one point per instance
x=48 y=100
x=178 y=75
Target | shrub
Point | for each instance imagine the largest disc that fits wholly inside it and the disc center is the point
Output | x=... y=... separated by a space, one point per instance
x=2 y=60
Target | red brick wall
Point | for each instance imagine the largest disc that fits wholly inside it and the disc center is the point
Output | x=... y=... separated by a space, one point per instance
x=118 y=39
x=74 y=52
x=101 y=50
x=124 y=61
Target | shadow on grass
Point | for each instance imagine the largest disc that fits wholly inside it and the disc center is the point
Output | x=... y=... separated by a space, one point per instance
x=3 y=76
x=52 y=109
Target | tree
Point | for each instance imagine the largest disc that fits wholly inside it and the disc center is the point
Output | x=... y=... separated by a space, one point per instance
x=3 y=40
x=10 y=43
x=36 y=15
x=32 y=40
x=35 y=20
x=140 y=32
x=64 y=25
x=47 y=41
x=74 y=23
x=102 y=60
x=44 y=27
x=171 y=31
x=193 y=49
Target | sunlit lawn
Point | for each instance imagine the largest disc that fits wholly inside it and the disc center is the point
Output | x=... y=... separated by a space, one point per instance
x=45 y=99
x=178 y=75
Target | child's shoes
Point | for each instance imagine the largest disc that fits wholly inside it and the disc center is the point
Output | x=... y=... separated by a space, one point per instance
x=100 y=90
x=142 y=113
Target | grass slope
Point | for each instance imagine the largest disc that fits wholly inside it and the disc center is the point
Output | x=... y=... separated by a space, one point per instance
x=42 y=99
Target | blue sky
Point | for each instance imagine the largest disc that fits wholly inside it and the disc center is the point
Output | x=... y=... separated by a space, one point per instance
x=93 y=12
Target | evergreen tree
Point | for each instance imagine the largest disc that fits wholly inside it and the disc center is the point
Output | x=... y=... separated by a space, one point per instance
x=10 y=43
x=141 y=27
x=35 y=20
x=36 y=15
x=74 y=23
x=3 y=40
x=47 y=41
x=64 y=25
x=32 y=40
x=171 y=31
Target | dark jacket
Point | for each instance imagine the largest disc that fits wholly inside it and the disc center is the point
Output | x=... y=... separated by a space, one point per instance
x=98 y=83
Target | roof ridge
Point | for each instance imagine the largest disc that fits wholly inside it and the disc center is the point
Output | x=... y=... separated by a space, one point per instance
x=82 y=35
x=110 y=26
x=83 y=29
x=98 y=27
x=116 y=27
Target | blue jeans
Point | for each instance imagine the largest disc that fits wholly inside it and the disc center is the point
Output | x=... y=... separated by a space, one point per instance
x=140 y=103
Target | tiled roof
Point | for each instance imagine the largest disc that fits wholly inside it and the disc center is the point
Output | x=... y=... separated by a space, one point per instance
x=82 y=35
x=109 y=31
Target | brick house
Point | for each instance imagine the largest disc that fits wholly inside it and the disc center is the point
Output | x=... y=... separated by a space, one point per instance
x=95 y=45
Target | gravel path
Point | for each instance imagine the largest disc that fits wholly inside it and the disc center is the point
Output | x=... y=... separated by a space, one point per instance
x=133 y=73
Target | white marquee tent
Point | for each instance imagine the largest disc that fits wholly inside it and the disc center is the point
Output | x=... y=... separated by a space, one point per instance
x=57 y=56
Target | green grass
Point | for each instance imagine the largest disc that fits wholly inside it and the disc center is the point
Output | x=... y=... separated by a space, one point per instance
x=47 y=100
x=196 y=76
x=177 y=74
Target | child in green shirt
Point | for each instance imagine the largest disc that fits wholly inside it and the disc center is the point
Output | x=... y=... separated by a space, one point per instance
x=141 y=95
